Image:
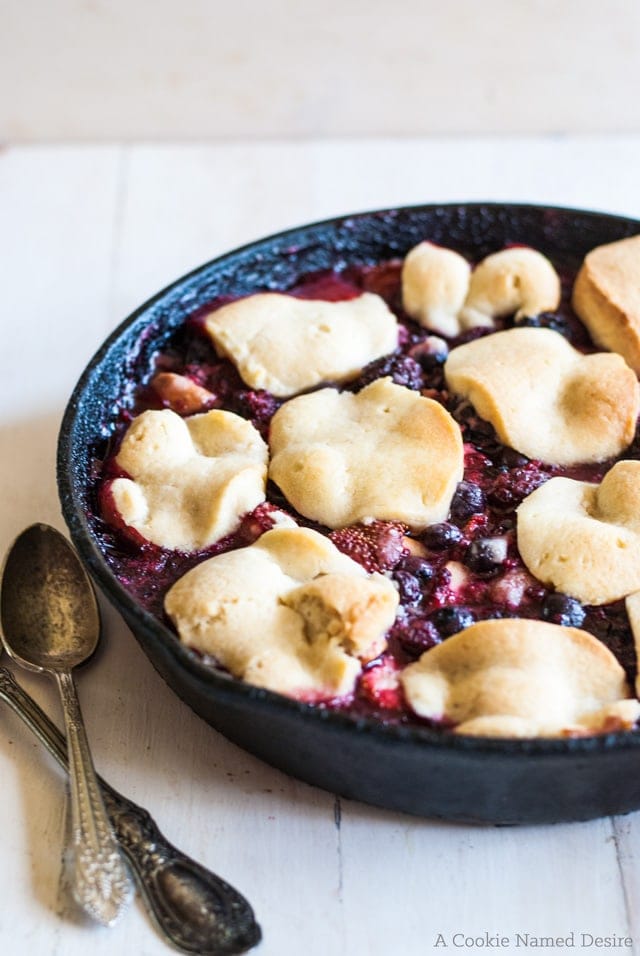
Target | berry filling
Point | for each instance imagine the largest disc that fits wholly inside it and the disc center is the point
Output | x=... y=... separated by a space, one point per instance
x=462 y=570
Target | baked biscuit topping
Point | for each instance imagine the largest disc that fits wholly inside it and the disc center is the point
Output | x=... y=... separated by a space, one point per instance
x=441 y=293
x=546 y=399
x=435 y=282
x=583 y=538
x=290 y=613
x=386 y=453
x=190 y=480
x=287 y=345
x=606 y=296
x=521 y=678
x=517 y=280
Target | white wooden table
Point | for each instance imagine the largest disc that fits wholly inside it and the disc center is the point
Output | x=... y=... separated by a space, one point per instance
x=87 y=233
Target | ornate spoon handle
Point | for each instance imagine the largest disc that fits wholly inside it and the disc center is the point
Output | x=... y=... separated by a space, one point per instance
x=193 y=908
x=100 y=880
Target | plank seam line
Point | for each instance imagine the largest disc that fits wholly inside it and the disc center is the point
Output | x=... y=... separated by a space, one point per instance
x=623 y=882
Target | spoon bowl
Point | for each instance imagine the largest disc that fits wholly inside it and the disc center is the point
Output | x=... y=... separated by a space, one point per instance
x=48 y=607
x=50 y=623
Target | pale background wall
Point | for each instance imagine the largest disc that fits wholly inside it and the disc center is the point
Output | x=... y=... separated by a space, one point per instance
x=197 y=69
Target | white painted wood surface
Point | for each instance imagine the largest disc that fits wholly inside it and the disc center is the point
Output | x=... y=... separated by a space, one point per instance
x=182 y=69
x=86 y=233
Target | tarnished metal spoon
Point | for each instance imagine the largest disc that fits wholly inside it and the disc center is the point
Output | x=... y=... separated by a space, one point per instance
x=50 y=624
x=194 y=910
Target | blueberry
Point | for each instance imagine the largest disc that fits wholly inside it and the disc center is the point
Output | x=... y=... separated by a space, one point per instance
x=439 y=537
x=431 y=352
x=545 y=320
x=562 y=609
x=486 y=555
x=511 y=458
x=422 y=569
x=468 y=500
x=409 y=587
x=511 y=487
x=450 y=620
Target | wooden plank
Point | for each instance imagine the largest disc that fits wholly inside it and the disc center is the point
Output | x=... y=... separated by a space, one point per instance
x=428 y=882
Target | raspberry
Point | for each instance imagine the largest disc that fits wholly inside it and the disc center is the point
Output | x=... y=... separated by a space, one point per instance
x=377 y=546
x=475 y=463
x=512 y=487
x=402 y=368
x=416 y=636
x=258 y=405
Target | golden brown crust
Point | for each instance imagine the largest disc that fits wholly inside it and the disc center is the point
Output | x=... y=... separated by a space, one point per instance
x=435 y=282
x=519 y=280
x=583 y=538
x=606 y=296
x=290 y=612
x=287 y=345
x=546 y=399
x=520 y=678
x=190 y=479
x=385 y=453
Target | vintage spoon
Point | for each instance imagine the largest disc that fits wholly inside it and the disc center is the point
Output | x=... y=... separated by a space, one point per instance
x=195 y=910
x=50 y=624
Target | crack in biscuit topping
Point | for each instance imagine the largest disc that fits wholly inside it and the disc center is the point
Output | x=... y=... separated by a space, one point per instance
x=290 y=613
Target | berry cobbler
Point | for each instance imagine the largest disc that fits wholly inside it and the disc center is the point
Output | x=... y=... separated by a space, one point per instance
x=408 y=491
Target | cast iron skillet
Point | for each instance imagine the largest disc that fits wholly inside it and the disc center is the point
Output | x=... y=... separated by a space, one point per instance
x=415 y=770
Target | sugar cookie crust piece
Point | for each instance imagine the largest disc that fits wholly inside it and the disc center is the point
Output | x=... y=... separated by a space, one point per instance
x=440 y=291
x=584 y=539
x=384 y=453
x=435 y=282
x=287 y=345
x=517 y=280
x=521 y=678
x=190 y=480
x=546 y=399
x=290 y=613
x=606 y=296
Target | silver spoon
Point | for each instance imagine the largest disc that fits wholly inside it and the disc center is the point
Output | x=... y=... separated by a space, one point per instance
x=50 y=624
x=195 y=910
